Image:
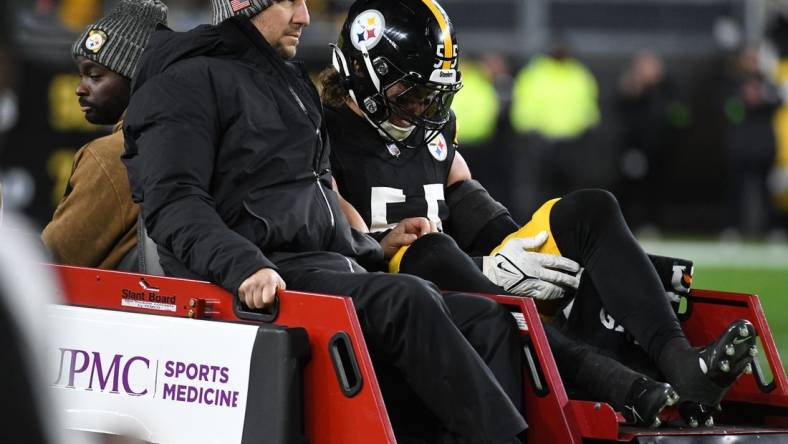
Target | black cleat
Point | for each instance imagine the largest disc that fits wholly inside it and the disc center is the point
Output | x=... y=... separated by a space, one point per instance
x=722 y=361
x=729 y=356
x=646 y=400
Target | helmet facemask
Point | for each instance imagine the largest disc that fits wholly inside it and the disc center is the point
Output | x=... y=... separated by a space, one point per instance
x=423 y=104
x=405 y=100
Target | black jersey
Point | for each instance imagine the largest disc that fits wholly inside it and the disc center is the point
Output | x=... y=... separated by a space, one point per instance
x=383 y=182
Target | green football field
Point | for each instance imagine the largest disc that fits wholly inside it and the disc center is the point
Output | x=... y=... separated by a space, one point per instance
x=756 y=268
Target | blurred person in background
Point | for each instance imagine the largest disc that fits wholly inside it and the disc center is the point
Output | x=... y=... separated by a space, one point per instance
x=26 y=287
x=649 y=113
x=749 y=106
x=31 y=412
x=554 y=106
x=95 y=224
x=479 y=105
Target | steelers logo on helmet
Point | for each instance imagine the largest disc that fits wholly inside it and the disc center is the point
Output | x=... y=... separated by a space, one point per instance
x=367 y=29
x=438 y=148
x=95 y=40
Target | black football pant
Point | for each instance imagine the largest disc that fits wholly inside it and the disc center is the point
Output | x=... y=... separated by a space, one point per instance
x=587 y=371
x=620 y=286
x=416 y=339
x=621 y=297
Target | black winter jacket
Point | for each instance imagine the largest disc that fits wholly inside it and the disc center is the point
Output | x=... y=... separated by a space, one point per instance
x=227 y=153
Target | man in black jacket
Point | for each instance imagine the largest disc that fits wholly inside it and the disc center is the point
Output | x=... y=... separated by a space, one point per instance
x=226 y=151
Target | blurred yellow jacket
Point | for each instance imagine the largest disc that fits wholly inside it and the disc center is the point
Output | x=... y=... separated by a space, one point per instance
x=555 y=98
x=476 y=105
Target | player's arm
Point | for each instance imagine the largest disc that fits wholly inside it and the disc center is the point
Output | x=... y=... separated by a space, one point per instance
x=459 y=170
x=480 y=223
x=404 y=234
x=476 y=221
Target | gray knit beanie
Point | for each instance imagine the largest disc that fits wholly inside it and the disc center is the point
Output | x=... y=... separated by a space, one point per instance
x=224 y=9
x=118 y=39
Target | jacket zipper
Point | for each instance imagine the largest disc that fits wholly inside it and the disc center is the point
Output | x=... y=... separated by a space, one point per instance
x=318 y=149
x=328 y=207
x=325 y=199
x=316 y=161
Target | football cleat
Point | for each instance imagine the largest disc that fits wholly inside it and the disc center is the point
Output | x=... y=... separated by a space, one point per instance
x=723 y=361
x=740 y=337
x=645 y=401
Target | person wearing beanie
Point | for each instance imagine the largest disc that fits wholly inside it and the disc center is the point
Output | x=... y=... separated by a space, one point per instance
x=226 y=151
x=95 y=223
x=221 y=10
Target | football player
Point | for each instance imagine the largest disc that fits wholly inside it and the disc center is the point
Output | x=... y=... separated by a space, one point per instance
x=388 y=96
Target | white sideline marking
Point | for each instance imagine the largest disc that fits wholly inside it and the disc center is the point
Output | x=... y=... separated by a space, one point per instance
x=723 y=254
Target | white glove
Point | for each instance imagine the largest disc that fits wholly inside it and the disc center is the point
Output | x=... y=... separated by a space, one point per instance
x=527 y=273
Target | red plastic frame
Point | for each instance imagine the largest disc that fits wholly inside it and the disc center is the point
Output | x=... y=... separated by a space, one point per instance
x=330 y=416
x=333 y=418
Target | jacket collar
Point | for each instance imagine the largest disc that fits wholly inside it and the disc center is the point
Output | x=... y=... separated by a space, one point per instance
x=119 y=126
x=242 y=38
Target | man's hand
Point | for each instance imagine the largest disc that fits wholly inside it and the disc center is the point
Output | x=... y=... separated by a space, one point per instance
x=527 y=273
x=259 y=290
x=405 y=233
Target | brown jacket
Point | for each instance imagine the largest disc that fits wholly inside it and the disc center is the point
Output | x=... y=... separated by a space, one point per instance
x=95 y=224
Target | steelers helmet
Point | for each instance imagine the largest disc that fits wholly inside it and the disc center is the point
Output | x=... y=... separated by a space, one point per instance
x=408 y=45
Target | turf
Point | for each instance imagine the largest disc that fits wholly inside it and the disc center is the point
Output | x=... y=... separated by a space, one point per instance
x=743 y=267
x=771 y=285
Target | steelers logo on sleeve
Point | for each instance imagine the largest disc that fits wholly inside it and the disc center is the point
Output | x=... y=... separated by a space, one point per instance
x=438 y=148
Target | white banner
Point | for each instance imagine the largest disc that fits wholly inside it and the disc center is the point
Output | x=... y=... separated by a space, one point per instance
x=158 y=378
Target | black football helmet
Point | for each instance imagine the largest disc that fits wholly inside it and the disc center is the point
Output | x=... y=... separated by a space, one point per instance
x=409 y=45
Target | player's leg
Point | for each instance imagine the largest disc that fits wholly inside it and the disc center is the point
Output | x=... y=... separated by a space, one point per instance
x=437 y=258
x=588 y=227
x=589 y=374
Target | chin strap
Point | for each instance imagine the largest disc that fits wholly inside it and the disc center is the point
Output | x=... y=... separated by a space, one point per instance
x=340 y=64
x=370 y=70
